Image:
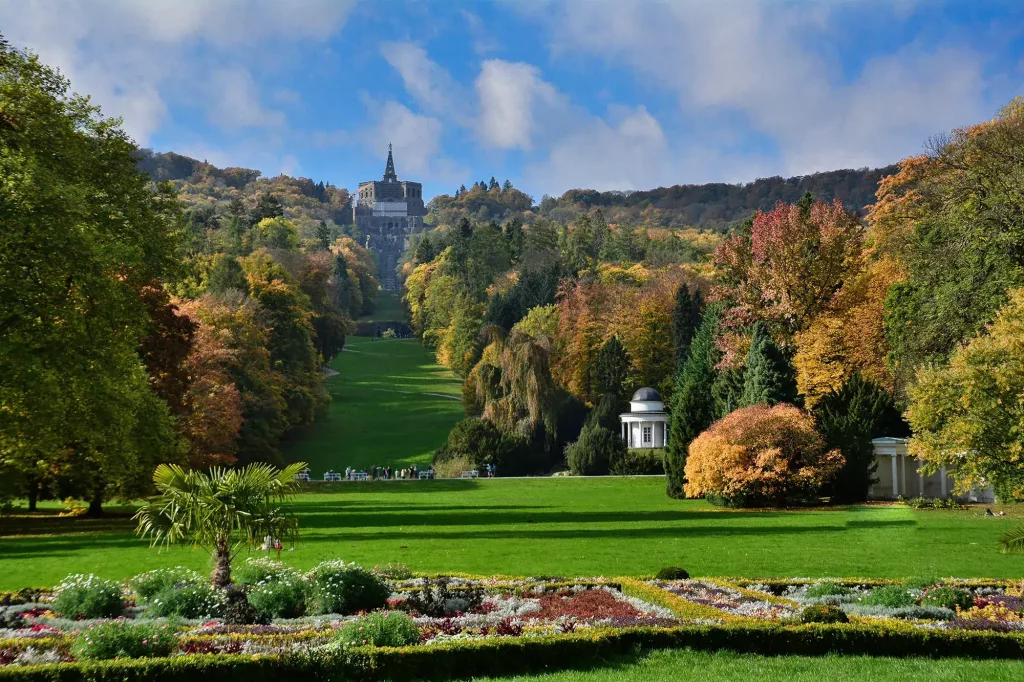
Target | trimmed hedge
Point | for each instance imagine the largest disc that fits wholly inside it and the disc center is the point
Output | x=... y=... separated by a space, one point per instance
x=514 y=655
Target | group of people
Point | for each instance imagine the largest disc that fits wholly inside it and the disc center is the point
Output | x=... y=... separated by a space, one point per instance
x=376 y=473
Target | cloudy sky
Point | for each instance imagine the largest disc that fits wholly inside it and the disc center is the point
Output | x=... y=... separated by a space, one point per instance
x=552 y=95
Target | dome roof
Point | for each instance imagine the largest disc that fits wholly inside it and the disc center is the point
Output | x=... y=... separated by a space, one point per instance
x=646 y=394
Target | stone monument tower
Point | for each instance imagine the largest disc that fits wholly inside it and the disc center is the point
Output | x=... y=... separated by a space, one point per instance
x=387 y=212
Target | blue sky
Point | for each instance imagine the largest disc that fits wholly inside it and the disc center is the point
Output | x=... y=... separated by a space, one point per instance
x=551 y=95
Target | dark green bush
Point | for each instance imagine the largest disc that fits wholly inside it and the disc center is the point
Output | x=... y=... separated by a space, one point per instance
x=672 y=573
x=337 y=587
x=645 y=462
x=947 y=598
x=380 y=628
x=893 y=596
x=237 y=610
x=823 y=613
x=87 y=596
x=826 y=589
x=591 y=454
x=123 y=639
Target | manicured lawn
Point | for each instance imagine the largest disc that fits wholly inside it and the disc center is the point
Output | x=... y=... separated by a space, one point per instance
x=392 y=405
x=389 y=309
x=679 y=666
x=574 y=527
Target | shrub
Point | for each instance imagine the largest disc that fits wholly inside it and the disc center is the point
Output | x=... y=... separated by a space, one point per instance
x=453 y=467
x=477 y=440
x=187 y=601
x=760 y=456
x=826 y=589
x=392 y=571
x=87 y=596
x=643 y=462
x=892 y=596
x=672 y=573
x=263 y=570
x=591 y=454
x=282 y=598
x=947 y=598
x=437 y=601
x=123 y=639
x=337 y=587
x=238 y=611
x=823 y=613
x=380 y=628
x=151 y=583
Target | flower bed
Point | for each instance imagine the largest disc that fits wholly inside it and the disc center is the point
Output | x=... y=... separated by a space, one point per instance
x=468 y=625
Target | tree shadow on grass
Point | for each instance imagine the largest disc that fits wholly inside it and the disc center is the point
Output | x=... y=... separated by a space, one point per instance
x=676 y=532
x=345 y=507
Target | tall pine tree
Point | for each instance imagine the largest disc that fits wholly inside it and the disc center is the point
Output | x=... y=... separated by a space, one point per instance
x=612 y=367
x=848 y=419
x=685 y=320
x=693 y=408
x=769 y=378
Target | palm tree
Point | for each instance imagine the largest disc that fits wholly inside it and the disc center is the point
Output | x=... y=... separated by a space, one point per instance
x=222 y=510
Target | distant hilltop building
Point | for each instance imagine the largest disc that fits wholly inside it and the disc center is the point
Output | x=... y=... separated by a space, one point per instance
x=387 y=212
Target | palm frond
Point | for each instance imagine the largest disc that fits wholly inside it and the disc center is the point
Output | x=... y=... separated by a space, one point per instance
x=1013 y=539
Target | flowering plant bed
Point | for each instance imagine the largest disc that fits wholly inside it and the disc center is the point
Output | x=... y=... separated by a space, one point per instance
x=447 y=623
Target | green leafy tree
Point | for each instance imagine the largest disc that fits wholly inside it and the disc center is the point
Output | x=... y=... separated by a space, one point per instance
x=848 y=419
x=226 y=275
x=685 y=320
x=693 y=407
x=275 y=233
x=268 y=206
x=612 y=367
x=83 y=233
x=222 y=510
x=768 y=376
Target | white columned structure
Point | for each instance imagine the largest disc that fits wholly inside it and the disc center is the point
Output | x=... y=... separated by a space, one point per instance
x=646 y=410
x=895 y=479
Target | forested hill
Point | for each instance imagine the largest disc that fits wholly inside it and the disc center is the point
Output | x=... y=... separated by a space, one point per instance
x=209 y=190
x=718 y=205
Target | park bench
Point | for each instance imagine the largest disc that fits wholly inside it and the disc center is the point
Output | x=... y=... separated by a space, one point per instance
x=302 y=476
x=425 y=475
x=358 y=476
x=332 y=476
x=473 y=473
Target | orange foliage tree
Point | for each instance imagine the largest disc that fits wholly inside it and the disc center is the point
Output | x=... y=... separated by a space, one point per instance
x=760 y=456
x=787 y=271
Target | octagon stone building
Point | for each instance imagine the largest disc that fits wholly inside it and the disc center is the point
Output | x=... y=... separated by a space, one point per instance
x=387 y=212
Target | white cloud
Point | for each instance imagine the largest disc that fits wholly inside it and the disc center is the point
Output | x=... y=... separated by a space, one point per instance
x=129 y=54
x=431 y=86
x=235 y=102
x=751 y=63
x=510 y=95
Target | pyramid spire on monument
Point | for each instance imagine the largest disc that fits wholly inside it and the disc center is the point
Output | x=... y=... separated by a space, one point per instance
x=389 y=171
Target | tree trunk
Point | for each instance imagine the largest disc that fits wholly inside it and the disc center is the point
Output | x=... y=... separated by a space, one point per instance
x=33 y=496
x=222 y=563
x=96 y=506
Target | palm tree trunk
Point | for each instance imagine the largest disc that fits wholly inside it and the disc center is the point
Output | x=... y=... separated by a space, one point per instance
x=222 y=562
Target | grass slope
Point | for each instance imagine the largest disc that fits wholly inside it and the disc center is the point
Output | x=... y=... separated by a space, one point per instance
x=388 y=309
x=576 y=527
x=680 y=666
x=391 y=405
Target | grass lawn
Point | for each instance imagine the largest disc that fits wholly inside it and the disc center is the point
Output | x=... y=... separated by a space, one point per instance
x=553 y=526
x=392 y=405
x=679 y=666
x=388 y=309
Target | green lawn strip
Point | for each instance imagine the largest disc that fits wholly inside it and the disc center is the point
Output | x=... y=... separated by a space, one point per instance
x=724 y=666
x=388 y=309
x=388 y=409
x=570 y=527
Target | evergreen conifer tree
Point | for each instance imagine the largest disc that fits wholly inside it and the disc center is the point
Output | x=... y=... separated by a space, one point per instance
x=323 y=236
x=727 y=391
x=424 y=251
x=342 y=285
x=685 y=320
x=848 y=419
x=493 y=184
x=612 y=367
x=693 y=409
x=507 y=186
x=769 y=378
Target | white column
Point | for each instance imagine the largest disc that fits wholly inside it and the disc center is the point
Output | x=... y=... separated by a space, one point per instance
x=920 y=478
x=942 y=473
x=895 y=481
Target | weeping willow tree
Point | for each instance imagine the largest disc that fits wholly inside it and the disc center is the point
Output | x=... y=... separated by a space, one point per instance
x=513 y=384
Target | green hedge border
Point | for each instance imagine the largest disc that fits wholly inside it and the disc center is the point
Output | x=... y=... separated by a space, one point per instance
x=516 y=655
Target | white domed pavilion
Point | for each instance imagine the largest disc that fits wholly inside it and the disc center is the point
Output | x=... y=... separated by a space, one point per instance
x=646 y=423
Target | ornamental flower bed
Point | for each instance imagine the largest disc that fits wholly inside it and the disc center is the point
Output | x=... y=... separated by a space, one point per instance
x=728 y=599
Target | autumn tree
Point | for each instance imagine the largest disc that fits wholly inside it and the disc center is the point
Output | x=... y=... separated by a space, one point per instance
x=967 y=414
x=790 y=268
